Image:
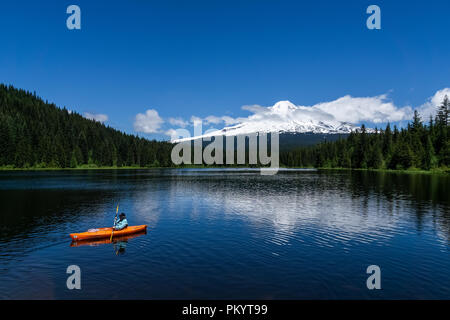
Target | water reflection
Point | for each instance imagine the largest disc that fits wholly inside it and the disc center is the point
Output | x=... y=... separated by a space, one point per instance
x=119 y=244
x=98 y=242
x=119 y=247
x=344 y=205
x=226 y=234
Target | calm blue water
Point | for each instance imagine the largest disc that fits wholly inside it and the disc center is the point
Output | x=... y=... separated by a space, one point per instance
x=226 y=234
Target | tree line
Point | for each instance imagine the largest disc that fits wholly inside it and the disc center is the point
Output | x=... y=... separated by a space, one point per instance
x=38 y=134
x=419 y=145
x=35 y=133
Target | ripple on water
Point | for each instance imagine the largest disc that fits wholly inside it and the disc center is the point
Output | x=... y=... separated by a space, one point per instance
x=227 y=234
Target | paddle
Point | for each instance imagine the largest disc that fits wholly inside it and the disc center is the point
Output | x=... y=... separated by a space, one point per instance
x=117 y=210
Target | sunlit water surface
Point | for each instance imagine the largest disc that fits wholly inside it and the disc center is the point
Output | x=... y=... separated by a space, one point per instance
x=217 y=234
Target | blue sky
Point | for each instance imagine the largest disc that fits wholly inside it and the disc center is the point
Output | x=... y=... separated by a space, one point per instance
x=202 y=58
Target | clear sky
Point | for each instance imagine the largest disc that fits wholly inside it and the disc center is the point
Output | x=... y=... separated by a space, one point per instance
x=201 y=58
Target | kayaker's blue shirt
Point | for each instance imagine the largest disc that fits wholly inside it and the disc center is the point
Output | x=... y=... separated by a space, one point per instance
x=120 y=224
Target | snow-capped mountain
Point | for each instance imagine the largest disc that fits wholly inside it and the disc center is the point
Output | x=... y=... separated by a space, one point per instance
x=283 y=117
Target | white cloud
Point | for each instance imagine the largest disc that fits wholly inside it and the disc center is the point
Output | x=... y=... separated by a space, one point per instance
x=367 y=109
x=213 y=119
x=353 y=110
x=227 y=120
x=150 y=122
x=254 y=108
x=178 y=122
x=196 y=120
x=171 y=133
x=97 y=117
x=216 y=120
x=430 y=107
x=283 y=111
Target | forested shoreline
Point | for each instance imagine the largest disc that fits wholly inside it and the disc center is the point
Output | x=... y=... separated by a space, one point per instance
x=38 y=134
x=35 y=134
x=418 y=146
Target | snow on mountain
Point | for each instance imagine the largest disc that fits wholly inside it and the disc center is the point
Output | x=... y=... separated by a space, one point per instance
x=283 y=117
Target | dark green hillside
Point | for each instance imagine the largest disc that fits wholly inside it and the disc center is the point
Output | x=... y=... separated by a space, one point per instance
x=35 y=133
x=289 y=141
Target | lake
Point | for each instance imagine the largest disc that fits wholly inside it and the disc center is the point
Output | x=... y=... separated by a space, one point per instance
x=226 y=234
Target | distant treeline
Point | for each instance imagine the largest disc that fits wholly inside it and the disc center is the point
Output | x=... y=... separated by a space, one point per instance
x=37 y=134
x=417 y=146
x=34 y=133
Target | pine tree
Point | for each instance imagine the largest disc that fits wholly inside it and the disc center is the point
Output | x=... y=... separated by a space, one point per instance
x=443 y=112
x=444 y=155
x=376 y=157
x=73 y=160
x=429 y=158
x=417 y=122
x=402 y=158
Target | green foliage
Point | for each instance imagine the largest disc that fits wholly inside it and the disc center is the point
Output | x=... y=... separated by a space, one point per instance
x=402 y=158
x=443 y=112
x=417 y=146
x=34 y=133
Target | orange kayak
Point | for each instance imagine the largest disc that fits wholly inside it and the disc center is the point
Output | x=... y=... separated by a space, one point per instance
x=106 y=233
x=98 y=242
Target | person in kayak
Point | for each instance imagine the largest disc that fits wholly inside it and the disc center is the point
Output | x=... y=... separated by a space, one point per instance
x=121 y=222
